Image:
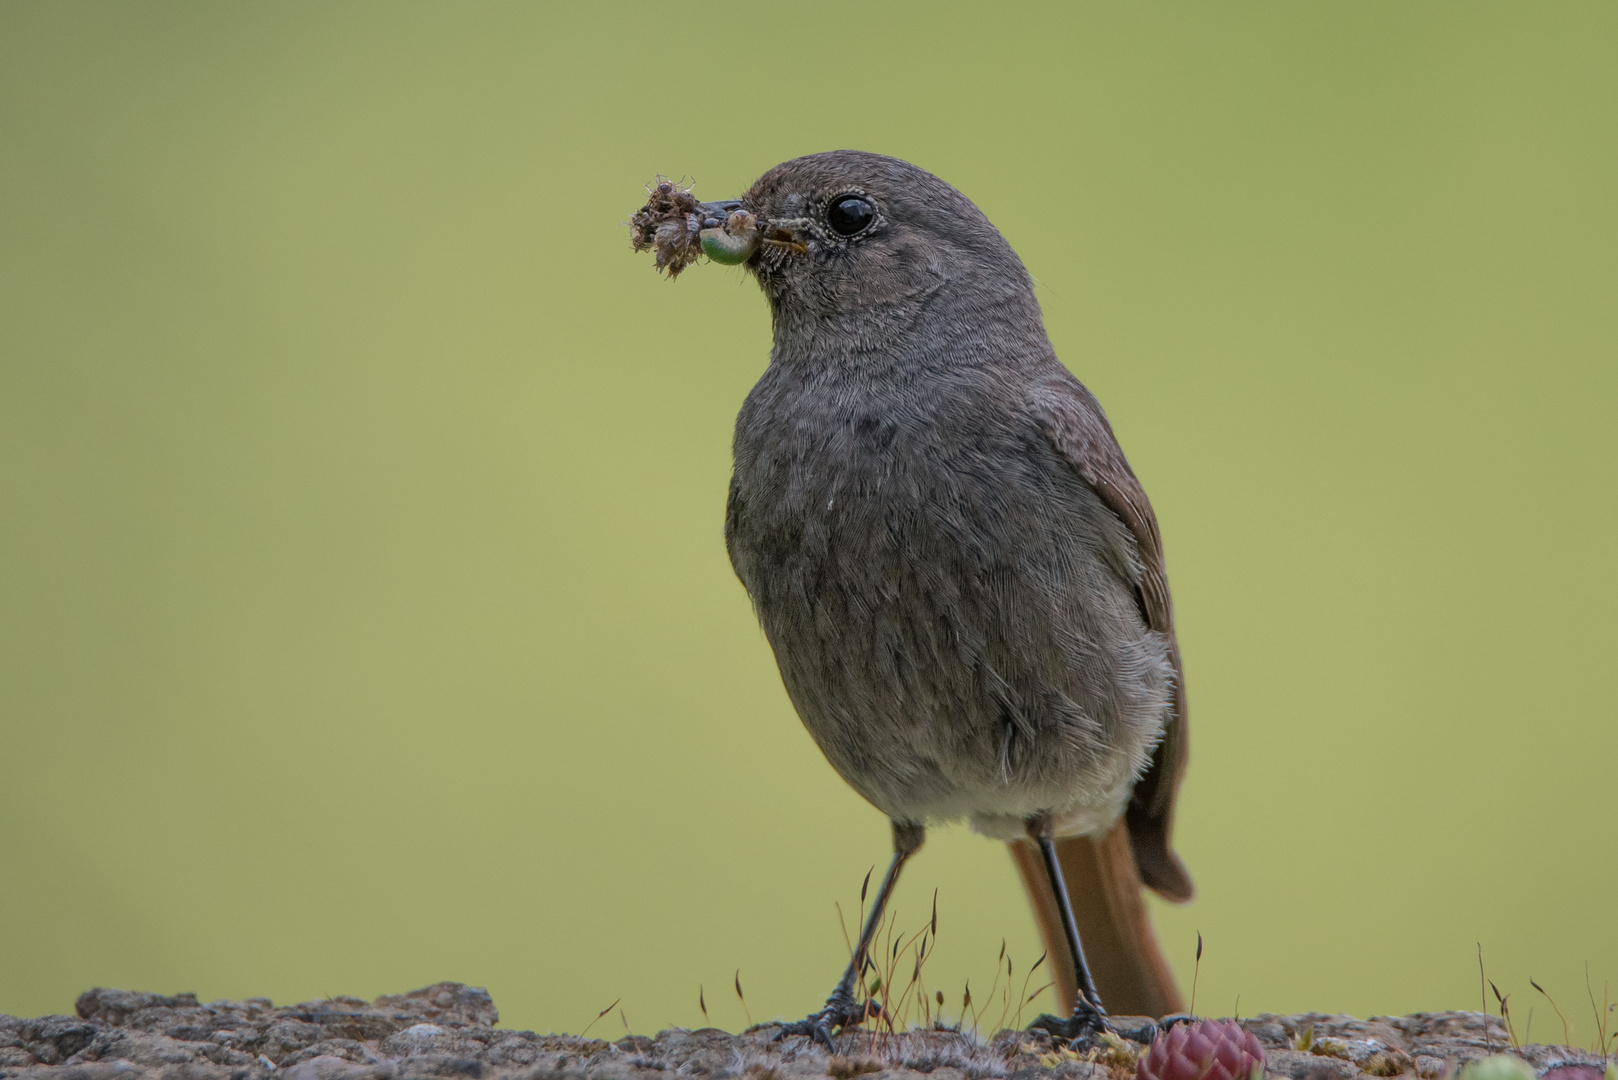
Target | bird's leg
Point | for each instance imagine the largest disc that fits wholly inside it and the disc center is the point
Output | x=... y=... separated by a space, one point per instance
x=843 y=1007
x=1089 y=1019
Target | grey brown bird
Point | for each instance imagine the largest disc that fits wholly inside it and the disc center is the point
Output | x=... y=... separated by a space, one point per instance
x=960 y=576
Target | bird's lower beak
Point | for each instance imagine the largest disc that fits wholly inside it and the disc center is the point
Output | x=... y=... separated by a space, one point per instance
x=729 y=234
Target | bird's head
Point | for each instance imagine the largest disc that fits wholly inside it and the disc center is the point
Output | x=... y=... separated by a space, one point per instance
x=846 y=231
x=844 y=235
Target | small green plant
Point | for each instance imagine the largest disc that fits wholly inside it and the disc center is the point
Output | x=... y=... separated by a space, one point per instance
x=893 y=987
x=743 y=998
x=1603 y=1013
x=1505 y=1016
x=1567 y=1037
x=1009 y=1009
x=1196 y=971
x=599 y=1015
x=1605 y=1040
x=1498 y=1067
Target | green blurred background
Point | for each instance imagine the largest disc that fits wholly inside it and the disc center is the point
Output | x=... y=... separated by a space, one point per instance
x=364 y=615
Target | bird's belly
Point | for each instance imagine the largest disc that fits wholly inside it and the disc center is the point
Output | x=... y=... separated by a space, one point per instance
x=955 y=639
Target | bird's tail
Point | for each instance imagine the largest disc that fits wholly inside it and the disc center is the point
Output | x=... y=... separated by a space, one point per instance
x=1104 y=886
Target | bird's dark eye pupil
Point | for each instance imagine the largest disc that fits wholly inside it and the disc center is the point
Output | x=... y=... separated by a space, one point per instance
x=849 y=214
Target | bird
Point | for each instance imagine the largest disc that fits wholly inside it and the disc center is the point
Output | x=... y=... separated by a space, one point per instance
x=960 y=576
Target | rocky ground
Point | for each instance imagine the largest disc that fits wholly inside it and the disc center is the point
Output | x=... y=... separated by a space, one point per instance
x=448 y=1031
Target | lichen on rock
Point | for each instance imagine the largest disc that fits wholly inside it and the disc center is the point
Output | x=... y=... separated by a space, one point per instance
x=449 y=1031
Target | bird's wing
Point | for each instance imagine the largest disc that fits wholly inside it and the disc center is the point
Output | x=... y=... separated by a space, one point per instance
x=733 y=512
x=1073 y=421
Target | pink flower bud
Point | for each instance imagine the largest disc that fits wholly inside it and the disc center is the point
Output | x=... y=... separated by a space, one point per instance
x=1202 y=1050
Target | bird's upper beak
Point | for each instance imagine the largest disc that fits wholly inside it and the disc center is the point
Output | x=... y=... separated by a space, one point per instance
x=715 y=213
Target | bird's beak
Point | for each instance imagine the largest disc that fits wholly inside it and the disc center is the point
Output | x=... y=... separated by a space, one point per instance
x=715 y=213
x=729 y=234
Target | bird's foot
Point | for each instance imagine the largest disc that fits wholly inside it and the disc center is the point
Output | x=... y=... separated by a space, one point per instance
x=841 y=1011
x=1082 y=1030
x=1137 y=1029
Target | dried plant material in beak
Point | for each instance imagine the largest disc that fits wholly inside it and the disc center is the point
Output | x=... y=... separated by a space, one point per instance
x=670 y=223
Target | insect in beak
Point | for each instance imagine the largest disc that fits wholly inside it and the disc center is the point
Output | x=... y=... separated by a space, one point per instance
x=730 y=234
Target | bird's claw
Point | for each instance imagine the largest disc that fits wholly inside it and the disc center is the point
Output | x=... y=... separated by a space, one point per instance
x=1137 y=1029
x=841 y=1011
x=1081 y=1030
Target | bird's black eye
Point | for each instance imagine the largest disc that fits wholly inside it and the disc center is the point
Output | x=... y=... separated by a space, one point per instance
x=848 y=214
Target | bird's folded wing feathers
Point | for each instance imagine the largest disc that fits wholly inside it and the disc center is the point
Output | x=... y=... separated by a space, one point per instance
x=1076 y=426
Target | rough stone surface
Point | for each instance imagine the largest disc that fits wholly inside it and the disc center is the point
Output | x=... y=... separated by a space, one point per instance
x=448 y=1031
